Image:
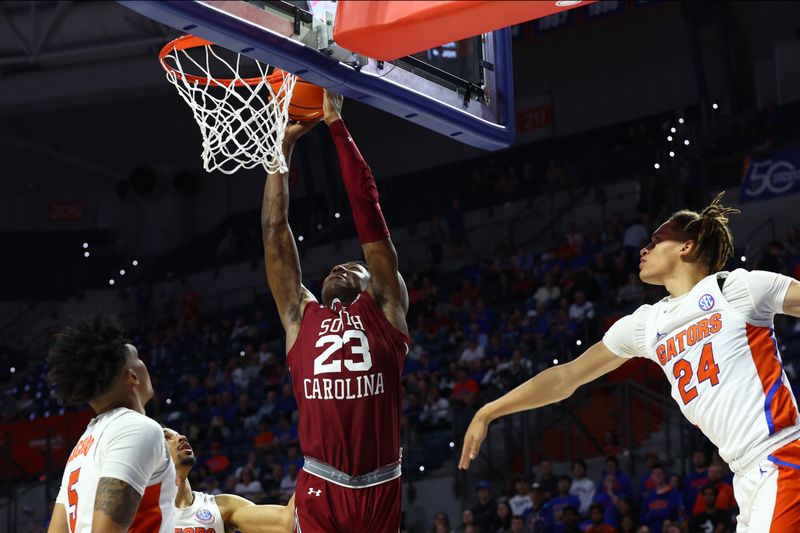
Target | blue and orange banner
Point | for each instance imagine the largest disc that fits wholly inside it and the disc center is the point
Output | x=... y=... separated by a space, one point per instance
x=771 y=176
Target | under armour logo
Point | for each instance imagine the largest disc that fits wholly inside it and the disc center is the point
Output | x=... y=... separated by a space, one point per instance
x=317 y=492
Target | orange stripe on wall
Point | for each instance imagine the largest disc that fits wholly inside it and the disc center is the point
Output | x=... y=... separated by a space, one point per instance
x=148 y=517
x=786 y=517
x=782 y=410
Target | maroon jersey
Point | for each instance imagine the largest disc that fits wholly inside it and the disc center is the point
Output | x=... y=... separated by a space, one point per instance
x=346 y=367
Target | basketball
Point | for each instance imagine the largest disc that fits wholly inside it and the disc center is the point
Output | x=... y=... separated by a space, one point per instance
x=306 y=103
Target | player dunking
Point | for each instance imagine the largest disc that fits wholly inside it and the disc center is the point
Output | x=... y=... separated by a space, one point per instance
x=714 y=340
x=119 y=477
x=197 y=512
x=345 y=355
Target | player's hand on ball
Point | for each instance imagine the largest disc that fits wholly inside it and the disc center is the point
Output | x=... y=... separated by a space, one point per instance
x=332 y=106
x=476 y=432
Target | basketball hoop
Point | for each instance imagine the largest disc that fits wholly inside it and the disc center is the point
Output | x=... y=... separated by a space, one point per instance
x=242 y=119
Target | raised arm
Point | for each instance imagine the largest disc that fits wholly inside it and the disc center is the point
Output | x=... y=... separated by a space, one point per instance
x=548 y=386
x=248 y=517
x=791 y=303
x=281 y=259
x=386 y=284
x=58 y=520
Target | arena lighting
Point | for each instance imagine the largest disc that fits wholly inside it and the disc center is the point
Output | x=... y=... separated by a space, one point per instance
x=672 y=154
x=421 y=468
x=111 y=281
x=135 y=262
x=669 y=138
x=86 y=245
x=555 y=361
x=452 y=444
x=714 y=106
x=241 y=354
x=86 y=254
x=319 y=226
x=680 y=120
x=12 y=369
x=743 y=258
x=300 y=238
x=672 y=129
x=336 y=215
x=578 y=342
x=656 y=166
x=169 y=401
x=686 y=142
x=122 y=272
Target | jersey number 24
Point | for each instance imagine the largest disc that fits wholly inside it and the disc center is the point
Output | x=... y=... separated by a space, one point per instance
x=707 y=369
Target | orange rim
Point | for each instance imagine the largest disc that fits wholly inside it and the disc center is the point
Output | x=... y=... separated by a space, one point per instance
x=190 y=41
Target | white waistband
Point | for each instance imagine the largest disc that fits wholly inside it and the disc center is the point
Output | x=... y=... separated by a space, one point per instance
x=760 y=452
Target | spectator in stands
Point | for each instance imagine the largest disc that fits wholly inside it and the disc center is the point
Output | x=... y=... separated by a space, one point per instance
x=436 y=411
x=725 y=499
x=570 y=519
x=561 y=500
x=441 y=523
x=548 y=481
x=596 y=516
x=517 y=525
x=472 y=352
x=547 y=293
x=581 y=309
x=467 y=520
x=521 y=502
x=636 y=236
x=610 y=497
x=218 y=463
x=711 y=520
x=582 y=487
x=630 y=295
x=772 y=259
x=502 y=522
x=485 y=511
x=538 y=517
x=611 y=466
x=248 y=487
x=465 y=389
x=661 y=503
x=289 y=482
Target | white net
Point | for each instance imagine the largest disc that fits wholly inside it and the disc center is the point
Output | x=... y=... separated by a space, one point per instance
x=242 y=120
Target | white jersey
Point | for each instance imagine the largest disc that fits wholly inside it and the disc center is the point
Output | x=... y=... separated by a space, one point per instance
x=719 y=353
x=203 y=516
x=125 y=445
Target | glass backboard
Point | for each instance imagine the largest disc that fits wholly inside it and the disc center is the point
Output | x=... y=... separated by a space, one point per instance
x=462 y=89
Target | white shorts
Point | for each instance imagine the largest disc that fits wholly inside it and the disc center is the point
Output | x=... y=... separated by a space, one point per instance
x=768 y=493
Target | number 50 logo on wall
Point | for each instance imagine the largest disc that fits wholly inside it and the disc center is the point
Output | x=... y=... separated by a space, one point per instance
x=773 y=177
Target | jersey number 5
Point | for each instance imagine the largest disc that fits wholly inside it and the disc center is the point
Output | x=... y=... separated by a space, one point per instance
x=72 y=498
x=707 y=369
x=335 y=344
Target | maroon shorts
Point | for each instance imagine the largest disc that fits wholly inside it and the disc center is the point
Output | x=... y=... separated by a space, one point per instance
x=322 y=506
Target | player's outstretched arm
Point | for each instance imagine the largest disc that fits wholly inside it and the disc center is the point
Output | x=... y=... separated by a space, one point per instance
x=386 y=283
x=281 y=259
x=115 y=505
x=791 y=303
x=549 y=386
x=58 y=521
x=248 y=517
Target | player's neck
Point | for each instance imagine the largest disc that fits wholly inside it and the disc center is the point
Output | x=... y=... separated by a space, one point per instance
x=185 y=497
x=109 y=402
x=682 y=282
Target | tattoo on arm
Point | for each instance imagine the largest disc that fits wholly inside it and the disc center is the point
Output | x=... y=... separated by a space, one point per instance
x=117 y=499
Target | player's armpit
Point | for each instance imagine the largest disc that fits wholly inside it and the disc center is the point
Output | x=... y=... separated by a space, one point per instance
x=247 y=517
x=115 y=506
x=791 y=303
x=58 y=522
x=386 y=284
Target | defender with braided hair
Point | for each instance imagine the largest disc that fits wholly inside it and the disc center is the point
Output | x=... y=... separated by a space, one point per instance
x=713 y=338
x=119 y=476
